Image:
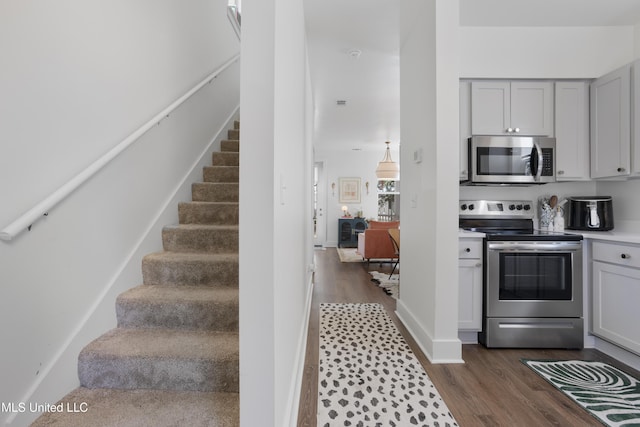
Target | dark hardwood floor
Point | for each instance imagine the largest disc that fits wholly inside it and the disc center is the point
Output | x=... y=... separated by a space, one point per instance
x=492 y=388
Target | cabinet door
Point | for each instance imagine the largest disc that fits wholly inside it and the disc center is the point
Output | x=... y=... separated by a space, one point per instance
x=616 y=292
x=490 y=108
x=635 y=123
x=610 y=124
x=572 y=131
x=470 y=295
x=345 y=232
x=532 y=108
x=465 y=128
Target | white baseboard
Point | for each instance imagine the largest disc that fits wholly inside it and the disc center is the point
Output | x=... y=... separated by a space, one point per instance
x=448 y=351
x=468 y=337
x=618 y=353
x=296 y=386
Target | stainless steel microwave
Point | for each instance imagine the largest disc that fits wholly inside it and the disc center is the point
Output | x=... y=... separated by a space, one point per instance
x=512 y=160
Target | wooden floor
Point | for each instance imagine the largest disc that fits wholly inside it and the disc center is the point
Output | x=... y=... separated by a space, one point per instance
x=493 y=387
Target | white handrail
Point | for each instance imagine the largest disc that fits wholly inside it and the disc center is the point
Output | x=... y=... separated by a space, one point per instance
x=27 y=219
x=234 y=18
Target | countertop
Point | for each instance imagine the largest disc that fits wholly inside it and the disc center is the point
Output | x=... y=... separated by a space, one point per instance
x=613 y=235
x=469 y=234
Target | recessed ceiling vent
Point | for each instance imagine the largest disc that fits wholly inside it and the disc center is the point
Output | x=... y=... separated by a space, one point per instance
x=341 y=102
x=355 y=53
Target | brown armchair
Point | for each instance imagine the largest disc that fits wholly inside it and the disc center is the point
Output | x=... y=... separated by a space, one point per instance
x=374 y=242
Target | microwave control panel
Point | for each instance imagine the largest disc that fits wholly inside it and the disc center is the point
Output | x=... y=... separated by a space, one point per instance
x=547 y=162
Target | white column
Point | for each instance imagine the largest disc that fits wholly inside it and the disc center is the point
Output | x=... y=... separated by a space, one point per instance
x=428 y=302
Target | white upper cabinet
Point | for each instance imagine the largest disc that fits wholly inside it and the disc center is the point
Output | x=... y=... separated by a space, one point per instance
x=610 y=124
x=572 y=131
x=635 y=123
x=512 y=108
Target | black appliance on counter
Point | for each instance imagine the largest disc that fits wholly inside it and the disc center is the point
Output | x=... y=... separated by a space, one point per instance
x=592 y=213
x=532 y=285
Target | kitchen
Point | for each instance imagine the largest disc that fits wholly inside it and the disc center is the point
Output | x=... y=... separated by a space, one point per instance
x=503 y=40
x=595 y=155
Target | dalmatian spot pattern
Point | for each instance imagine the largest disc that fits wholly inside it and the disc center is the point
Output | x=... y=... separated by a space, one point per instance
x=368 y=375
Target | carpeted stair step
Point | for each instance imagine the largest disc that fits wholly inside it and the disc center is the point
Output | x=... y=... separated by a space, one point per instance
x=173 y=360
x=218 y=213
x=221 y=174
x=233 y=134
x=215 y=191
x=225 y=158
x=200 y=238
x=144 y=408
x=196 y=269
x=232 y=145
x=179 y=307
x=161 y=359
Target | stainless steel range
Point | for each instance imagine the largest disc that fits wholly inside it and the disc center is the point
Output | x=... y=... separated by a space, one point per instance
x=532 y=279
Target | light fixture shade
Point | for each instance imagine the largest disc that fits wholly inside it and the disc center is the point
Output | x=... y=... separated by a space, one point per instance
x=387 y=168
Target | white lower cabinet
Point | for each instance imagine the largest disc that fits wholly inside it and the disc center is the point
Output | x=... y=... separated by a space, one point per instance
x=470 y=284
x=616 y=294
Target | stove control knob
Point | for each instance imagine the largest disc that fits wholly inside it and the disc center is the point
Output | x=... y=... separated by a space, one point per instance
x=463 y=207
x=471 y=207
x=519 y=207
x=512 y=207
x=527 y=207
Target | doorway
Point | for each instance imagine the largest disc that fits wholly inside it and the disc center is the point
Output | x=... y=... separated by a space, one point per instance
x=319 y=206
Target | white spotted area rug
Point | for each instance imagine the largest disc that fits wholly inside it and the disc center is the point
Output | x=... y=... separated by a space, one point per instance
x=368 y=375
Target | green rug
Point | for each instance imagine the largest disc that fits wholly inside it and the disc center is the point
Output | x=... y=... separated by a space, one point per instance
x=609 y=394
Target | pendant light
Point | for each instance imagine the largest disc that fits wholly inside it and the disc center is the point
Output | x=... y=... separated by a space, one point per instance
x=387 y=168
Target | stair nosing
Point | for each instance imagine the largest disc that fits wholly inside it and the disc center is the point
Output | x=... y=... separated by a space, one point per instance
x=168 y=344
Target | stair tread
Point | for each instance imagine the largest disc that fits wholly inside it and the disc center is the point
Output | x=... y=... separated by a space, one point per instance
x=164 y=344
x=139 y=408
x=217 y=184
x=209 y=203
x=181 y=293
x=193 y=256
x=202 y=227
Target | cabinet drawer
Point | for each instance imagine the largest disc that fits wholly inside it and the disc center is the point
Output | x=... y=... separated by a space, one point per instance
x=627 y=255
x=468 y=248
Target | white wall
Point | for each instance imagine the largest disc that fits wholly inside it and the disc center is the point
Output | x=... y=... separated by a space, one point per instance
x=428 y=303
x=77 y=78
x=275 y=211
x=350 y=164
x=626 y=202
x=544 y=52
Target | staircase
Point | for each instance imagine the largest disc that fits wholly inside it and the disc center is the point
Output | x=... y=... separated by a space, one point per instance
x=173 y=360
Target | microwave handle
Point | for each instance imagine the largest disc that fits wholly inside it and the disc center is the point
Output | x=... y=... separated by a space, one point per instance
x=538 y=163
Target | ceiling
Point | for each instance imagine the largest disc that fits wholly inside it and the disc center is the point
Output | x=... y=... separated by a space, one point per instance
x=353 y=57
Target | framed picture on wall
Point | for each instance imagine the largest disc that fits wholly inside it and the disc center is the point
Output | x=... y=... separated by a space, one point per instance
x=349 y=190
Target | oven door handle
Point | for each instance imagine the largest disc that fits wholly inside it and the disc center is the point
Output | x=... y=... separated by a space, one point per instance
x=534 y=247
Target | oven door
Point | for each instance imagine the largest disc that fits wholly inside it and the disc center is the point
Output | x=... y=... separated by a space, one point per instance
x=533 y=279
